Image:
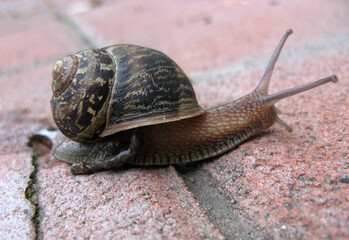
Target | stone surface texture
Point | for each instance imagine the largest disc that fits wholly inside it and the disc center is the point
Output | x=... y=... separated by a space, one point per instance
x=289 y=185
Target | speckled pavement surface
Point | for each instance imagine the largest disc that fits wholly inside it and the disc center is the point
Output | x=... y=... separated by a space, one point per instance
x=278 y=185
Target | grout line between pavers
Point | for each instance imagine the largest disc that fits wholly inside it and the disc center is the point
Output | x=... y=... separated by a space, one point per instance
x=86 y=35
x=27 y=67
x=32 y=197
x=71 y=24
x=224 y=212
x=31 y=193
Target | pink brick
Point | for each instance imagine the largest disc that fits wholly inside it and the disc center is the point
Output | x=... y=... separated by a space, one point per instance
x=16 y=211
x=36 y=45
x=201 y=35
x=147 y=204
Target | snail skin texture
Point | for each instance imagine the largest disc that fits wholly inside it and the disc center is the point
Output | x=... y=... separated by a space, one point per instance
x=126 y=104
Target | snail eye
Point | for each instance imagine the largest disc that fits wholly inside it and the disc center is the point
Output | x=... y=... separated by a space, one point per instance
x=63 y=73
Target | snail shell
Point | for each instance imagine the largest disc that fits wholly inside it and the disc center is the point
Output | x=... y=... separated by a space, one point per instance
x=100 y=92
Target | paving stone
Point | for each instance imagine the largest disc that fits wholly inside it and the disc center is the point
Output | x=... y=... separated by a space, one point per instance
x=22 y=14
x=24 y=107
x=127 y=204
x=202 y=35
x=16 y=211
x=30 y=35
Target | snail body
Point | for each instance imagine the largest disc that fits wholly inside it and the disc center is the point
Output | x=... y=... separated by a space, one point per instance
x=146 y=112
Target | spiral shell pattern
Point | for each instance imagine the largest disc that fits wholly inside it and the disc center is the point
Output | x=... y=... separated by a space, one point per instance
x=100 y=92
x=81 y=96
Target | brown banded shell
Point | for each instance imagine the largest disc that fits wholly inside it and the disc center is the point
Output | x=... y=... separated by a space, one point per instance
x=149 y=88
x=79 y=110
x=104 y=91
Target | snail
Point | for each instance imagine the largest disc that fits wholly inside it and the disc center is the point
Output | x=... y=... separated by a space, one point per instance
x=126 y=104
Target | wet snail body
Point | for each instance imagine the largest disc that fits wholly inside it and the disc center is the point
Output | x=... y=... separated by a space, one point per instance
x=130 y=104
